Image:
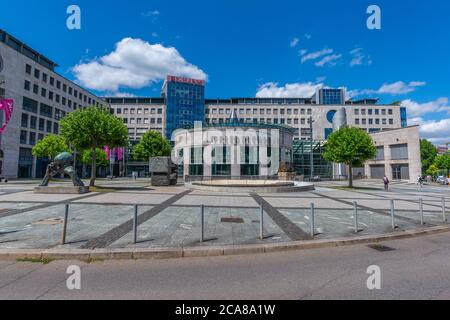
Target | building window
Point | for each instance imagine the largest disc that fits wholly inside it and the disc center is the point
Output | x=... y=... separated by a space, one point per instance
x=49 y=126
x=32 y=139
x=23 y=137
x=24 y=120
x=41 y=124
x=33 y=121
x=37 y=73
x=399 y=151
x=30 y=105
x=44 y=77
x=380 y=153
x=46 y=111
x=43 y=92
x=35 y=89
x=28 y=69
x=27 y=85
x=52 y=81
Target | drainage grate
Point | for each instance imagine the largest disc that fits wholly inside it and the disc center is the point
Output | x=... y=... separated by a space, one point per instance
x=381 y=248
x=232 y=220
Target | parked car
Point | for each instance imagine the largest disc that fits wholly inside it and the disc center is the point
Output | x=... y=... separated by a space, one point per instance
x=440 y=179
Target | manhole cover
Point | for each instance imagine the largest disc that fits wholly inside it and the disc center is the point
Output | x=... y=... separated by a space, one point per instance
x=380 y=248
x=232 y=220
x=49 y=222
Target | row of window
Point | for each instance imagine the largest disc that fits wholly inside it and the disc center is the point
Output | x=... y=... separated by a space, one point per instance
x=45 y=110
x=29 y=138
x=374 y=121
x=143 y=121
x=43 y=92
x=138 y=111
x=59 y=85
x=376 y=112
x=260 y=111
x=40 y=124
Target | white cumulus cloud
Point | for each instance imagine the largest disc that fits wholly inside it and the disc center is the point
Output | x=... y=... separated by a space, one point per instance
x=359 y=58
x=417 y=110
x=290 y=90
x=400 y=87
x=135 y=64
x=436 y=131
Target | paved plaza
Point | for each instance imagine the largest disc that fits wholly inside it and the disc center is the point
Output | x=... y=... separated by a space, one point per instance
x=170 y=216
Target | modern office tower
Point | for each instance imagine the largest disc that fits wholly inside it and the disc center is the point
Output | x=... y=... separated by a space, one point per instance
x=41 y=98
x=185 y=102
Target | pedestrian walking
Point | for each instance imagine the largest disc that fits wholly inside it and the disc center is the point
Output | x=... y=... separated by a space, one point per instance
x=386 y=183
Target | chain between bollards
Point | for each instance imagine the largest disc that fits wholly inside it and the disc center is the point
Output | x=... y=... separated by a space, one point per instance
x=313 y=230
x=135 y=223
x=64 y=230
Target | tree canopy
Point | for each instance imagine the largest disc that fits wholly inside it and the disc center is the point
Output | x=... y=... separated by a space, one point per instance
x=152 y=144
x=351 y=146
x=102 y=158
x=428 y=153
x=93 y=128
x=50 y=147
x=443 y=162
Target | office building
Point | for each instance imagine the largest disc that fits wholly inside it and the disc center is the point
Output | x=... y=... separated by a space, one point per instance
x=41 y=98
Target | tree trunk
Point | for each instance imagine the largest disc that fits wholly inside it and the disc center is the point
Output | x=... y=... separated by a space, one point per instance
x=350 y=176
x=94 y=167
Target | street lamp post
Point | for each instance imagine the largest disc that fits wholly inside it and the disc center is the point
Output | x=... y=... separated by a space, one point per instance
x=311 y=121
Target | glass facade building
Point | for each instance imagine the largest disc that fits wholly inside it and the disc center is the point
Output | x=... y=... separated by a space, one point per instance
x=185 y=102
x=332 y=96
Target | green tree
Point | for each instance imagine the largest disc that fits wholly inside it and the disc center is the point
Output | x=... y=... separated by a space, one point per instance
x=102 y=158
x=350 y=146
x=428 y=153
x=443 y=162
x=152 y=144
x=432 y=170
x=50 y=147
x=93 y=128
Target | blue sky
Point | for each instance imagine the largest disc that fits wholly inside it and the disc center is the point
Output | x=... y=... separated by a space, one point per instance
x=248 y=48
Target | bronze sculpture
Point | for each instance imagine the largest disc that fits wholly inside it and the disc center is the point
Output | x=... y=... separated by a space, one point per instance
x=62 y=164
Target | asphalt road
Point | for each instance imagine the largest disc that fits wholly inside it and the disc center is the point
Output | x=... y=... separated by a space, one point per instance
x=417 y=269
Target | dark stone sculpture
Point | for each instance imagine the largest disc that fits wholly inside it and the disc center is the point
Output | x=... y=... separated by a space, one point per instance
x=62 y=164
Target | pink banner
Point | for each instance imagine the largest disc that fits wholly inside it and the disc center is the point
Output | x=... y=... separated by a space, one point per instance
x=7 y=107
x=117 y=153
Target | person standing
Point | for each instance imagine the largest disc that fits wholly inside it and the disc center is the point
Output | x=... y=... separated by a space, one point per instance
x=386 y=183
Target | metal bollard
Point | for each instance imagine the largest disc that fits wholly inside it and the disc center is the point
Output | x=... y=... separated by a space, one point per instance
x=313 y=230
x=64 y=230
x=422 y=222
x=261 y=223
x=135 y=223
x=355 y=214
x=444 y=217
x=202 y=221
x=393 y=214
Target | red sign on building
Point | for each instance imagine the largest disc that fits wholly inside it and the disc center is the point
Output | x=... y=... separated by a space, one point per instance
x=185 y=80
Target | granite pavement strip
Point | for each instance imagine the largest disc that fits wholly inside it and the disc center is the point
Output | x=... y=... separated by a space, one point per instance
x=12 y=212
x=293 y=231
x=111 y=236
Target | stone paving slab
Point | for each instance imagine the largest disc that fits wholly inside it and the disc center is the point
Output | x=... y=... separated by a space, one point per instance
x=340 y=223
x=42 y=228
x=226 y=201
x=138 y=198
x=31 y=196
x=176 y=227
x=285 y=202
x=398 y=204
x=17 y=205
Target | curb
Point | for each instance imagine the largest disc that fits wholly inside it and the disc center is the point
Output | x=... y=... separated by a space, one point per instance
x=211 y=251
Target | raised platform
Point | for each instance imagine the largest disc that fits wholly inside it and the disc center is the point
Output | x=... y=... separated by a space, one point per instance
x=61 y=190
x=250 y=186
